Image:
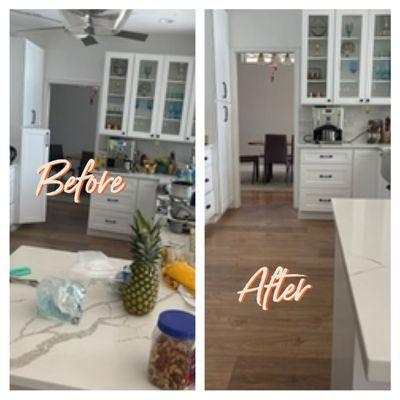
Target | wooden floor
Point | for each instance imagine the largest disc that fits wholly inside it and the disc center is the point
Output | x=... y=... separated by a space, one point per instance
x=289 y=346
x=65 y=229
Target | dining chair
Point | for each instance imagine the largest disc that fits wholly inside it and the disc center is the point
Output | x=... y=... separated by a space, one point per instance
x=256 y=166
x=275 y=152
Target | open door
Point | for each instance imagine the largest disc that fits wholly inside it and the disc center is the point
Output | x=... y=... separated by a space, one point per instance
x=34 y=153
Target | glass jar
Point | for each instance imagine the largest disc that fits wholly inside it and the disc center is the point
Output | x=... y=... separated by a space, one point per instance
x=171 y=363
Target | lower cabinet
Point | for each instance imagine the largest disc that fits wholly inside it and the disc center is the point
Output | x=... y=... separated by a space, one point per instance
x=333 y=173
x=209 y=201
x=111 y=214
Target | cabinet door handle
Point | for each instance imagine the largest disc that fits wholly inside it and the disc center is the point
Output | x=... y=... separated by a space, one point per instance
x=33 y=121
x=225 y=95
x=367 y=100
x=122 y=133
x=324 y=200
x=110 y=221
x=208 y=206
x=325 y=176
x=326 y=156
x=205 y=158
x=157 y=136
x=328 y=100
x=226 y=114
x=361 y=100
x=207 y=180
x=112 y=200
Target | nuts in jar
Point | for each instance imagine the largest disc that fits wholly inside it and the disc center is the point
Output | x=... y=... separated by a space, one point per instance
x=171 y=364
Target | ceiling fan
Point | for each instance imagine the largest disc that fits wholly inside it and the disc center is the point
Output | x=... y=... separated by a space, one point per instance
x=87 y=25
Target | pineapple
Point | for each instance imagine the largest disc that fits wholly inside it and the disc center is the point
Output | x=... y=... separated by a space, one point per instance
x=139 y=295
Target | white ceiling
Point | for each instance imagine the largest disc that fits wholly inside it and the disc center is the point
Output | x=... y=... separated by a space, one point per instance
x=145 y=21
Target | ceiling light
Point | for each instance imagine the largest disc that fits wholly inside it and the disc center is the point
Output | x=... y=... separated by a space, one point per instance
x=166 y=21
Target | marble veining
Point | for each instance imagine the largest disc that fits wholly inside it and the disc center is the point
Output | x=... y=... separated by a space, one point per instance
x=105 y=332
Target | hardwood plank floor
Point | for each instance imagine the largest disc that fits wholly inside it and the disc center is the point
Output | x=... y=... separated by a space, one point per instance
x=65 y=229
x=289 y=346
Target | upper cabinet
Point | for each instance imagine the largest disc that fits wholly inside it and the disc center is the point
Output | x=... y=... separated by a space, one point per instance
x=346 y=57
x=146 y=96
x=115 y=96
x=175 y=96
x=221 y=55
x=191 y=121
x=317 y=51
x=146 y=89
x=351 y=37
x=378 y=57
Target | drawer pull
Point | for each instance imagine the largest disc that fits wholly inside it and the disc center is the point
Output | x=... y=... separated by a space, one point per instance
x=326 y=156
x=112 y=200
x=110 y=221
x=205 y=158
x=327 y=176
x=207 y=180
x=324 y=200
x=208 y=206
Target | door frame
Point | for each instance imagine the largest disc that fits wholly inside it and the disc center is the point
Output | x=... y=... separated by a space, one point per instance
x=235 y=113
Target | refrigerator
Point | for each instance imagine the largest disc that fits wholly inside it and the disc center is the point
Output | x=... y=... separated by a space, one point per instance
x=34 y=153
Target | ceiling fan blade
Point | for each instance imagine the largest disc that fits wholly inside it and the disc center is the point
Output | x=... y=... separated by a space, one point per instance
x=35 y=15
x=50 y=28
x=132 y=35
x=89 y=41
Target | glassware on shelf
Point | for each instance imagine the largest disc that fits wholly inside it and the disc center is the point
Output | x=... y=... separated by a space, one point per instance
x=349 y=27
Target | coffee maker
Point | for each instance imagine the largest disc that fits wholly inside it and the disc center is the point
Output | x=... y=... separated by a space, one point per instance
x=327 y=125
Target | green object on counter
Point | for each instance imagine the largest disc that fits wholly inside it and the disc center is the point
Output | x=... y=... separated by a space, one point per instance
x=20 y=271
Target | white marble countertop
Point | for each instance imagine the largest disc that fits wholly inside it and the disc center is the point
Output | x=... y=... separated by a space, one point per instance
x=355 y=145
x=109 y=349
x=363 y=227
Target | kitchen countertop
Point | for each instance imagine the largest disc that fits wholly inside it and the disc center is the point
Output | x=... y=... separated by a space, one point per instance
x=109 y=349
x=363 y=228
x=378 y=146
x=162 y=178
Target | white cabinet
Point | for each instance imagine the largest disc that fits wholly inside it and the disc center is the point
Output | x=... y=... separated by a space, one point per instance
x=224 y=156
x=146 y=96
x=378 y=74
x=33 y=85
x=351 y=38
x=366 y=172
x=175 y=96
x=13 y=194
x=221 y=54
x=115 y=94
x=346 y=57
x=190 y=132
x=209 y=202
x=26 y=88
x=34 y=153
x=145 y=106
x=317 y=57
x=111 y=214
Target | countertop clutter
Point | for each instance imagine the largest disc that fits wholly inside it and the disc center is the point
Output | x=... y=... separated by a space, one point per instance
x=363 y=251
x=109 y=349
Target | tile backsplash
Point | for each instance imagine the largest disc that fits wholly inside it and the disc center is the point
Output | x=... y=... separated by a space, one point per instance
x=355 y=119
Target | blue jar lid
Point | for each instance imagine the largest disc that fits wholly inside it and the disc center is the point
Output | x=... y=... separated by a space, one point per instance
x=178 y=324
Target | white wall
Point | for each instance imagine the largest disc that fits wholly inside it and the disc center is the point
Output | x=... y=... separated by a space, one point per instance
x=268 y=28
x=264 y=106
x=67 y=59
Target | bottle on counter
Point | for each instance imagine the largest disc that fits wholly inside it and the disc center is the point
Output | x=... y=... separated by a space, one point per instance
x=172 y=354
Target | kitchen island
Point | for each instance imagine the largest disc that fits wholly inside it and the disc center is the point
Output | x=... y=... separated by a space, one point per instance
x=109 y=349
x=361 y=303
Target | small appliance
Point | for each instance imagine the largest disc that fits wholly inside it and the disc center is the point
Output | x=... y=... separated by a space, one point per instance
x=120 y=154
x=327 y=125
x=374 y=131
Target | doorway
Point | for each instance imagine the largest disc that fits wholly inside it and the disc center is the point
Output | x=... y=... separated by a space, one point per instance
x=266 y=102
x=73 y=123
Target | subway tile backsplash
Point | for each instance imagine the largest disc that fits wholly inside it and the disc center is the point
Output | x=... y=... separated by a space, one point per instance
x=355 y=119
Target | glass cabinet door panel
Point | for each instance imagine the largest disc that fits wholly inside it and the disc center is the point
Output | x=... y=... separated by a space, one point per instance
x=116 y=95
x=145 y=93
x=350 y=55
x=174 y=98
x=381 y=62
x=317 y=57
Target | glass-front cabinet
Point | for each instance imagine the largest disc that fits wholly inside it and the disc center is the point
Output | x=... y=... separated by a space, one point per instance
x=350 y=58
x=190 y=134
x=379 y=58
x=143 y=107
x=115 y=95
x=178 y=72
x=317 y=57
